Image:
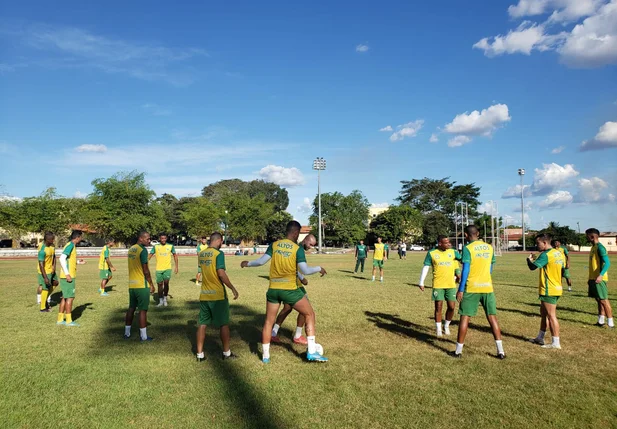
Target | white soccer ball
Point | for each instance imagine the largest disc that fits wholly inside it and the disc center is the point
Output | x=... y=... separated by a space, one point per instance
x=319 y=348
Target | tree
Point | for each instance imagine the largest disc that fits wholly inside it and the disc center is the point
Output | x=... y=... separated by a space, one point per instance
x=200 y=217
x=122 y=206
x=12 y=220
x=398 y=223
x=435 y=224
x=483 y=222
x=439 y=195
x=224 y=190
x=345 y=218
x=271 y=192
x=275 y=229
x=248 y=217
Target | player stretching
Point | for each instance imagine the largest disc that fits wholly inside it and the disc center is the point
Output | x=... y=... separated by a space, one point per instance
x=566 y=268
x=214 y=305
x=47 y=271
x=443 y=259
x=68 y=263
x=598 y=277
x=361 y=253
x=551 y=263
x=379 y=255
x=105 y=266
x=200 y=247
x=139 y=293
x=476 y=288
x=287 y=259
x=163 y=252
x=308 y=243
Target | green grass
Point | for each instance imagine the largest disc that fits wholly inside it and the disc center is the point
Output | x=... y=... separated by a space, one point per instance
x=387 y=369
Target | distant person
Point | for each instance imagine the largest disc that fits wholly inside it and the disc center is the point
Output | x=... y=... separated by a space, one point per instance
x=566 y=269
x=139 y=292
x=105 y=266
x=387 y=250
x=360 y=254
x=551 y=264
x=476 y=288
x=46 y=264
x=403 y=250
x=200 y=247
x=444 y=261
x=68 y=263
x=379 y=255
x=163 y=252
x=599 y=263
x=213 y=301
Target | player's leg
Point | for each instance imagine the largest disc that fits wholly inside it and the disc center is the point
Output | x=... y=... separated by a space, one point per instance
x=160 y=292
x=362 y=264
x=272 y=309
x=300 y=323
x=463 y=324
x=608 y=311
x=304 y=307
x=451 y=304
x=165 y=291
x=438 y=299
x=68 y=311
x=39 y=291
x=550 y=310
x=374 y=269
x=62 y=306
x=221 y=318
x=490 y=310
x=381 y=272
x=279 y=321
x=543 y=325
x=357 y=265
x=201 y=339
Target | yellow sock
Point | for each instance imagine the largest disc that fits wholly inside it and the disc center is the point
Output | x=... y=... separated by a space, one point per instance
x=44 y=295
x=60 y=317
x=69 y=318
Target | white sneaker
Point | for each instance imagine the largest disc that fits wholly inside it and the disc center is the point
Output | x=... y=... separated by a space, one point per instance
x=439 y=334
x=164 y=303
x=160 y=304
x=446 y=330
x=551 y=346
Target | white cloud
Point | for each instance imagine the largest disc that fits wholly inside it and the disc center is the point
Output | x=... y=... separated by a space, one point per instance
x=590 y=190
x=552 y=176
x=528 y=8
x=387 y=128
x=528 y=207
x=527 y=37
x=97 y=148
x=409 y=129
x=306 y=207
x=605 y=139
x=362 y=47
x=282 y=176
x=563 y=10
x=558 y=150
x=515 y=191
x=458 y=141
x=479 y=123
x=79 y=194
x=556 y=200
x=380 y=205
x=611 y=198
x=434 y=138
x=155 y=109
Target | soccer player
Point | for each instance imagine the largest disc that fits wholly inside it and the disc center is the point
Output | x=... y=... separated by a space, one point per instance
x=403 y=249
x=379 y=255
x=139 y=293
x=47 y=271
x=443 y=260
x=566 y=269
x=68 y=263
x=361 y=253
x=105 y=266
x=551 y=263
x=598 y=277
x=387 y=249
x=163 y=253
x=214 y=305
x=287 y=259
x=308 y=243
x=476 y=288
x=200 y=247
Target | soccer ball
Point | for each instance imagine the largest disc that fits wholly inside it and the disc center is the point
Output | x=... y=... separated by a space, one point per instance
x=319 y=348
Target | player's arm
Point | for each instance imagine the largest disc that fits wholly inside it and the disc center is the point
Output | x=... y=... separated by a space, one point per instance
x=428 y=262
x=63 y=263
x=146 y=269
x=42 y=266
x=356 y=253
x=466 y=261
x=258 y=262
x=302 y=279
x=173 y=252
x=567 y=255
x=222 y=273
x=303 y=267
x=152 y=252
x=108 y=260
x=606 y=263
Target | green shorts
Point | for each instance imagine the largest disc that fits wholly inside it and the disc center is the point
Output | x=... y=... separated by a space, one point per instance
x=104 y=274
x=566 y=273
x=68 y=289
x=549 y=299
x=199 y=269
x=377 y=263
x=597 y=290
x=161 y=276
x=214 y=313
x=139 y=298
x=302 y=289
x=286 y=296
x=444 y=294
x=52 y=278
x=470 y=302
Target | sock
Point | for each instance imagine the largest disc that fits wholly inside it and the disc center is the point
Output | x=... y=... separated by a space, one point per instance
x=127 y=331
x=202 y=355
x=165 y=298
x=43 y=299
x=373 y=278
x=556 y=341
x=438 y=326
x=541 y=335
x=60 y=317
x=610 y=322
x=227 y=353
x=499 y=345
x=69 y=317
x=160 y=300
x=275 y=330
x=142 y=334
x=298 y=333
x=38 y=298
x=600 y=319
x=381 y=278
x=312 y=348
x=265 y=351
x=446 y=324
x=459 y=348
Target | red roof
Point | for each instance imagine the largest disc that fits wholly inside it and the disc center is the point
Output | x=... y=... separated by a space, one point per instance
x=305 y=230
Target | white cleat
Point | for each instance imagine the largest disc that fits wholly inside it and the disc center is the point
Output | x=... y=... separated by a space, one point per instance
x=439 y=334
x=446 y=330
x=164 y=303
x=551 y=346
x=160 y=304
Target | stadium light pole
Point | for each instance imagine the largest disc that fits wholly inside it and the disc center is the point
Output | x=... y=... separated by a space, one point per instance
x=225 y=232
x=319 y=164
x=521 y=172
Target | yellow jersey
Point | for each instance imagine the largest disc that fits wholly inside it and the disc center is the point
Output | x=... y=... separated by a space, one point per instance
x=163 y=254
x=138 y=255
x=551 y=263
x=597 y=252
x=480 y=256
x=212 y=288
x=103 y=265
x=286 y=255
x=380 y=250
x=445 y=266
x=47 y=255
x=71 y=260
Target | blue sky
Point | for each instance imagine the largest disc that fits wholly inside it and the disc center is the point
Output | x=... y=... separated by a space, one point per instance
x=192 y=94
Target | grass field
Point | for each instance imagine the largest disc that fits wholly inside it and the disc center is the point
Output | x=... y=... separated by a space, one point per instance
x=386 y=369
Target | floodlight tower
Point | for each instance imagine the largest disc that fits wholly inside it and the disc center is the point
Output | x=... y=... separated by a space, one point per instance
x=319 y=164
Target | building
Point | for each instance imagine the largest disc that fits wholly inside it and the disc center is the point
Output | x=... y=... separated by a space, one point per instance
x=373 y=212
x=609 y=240
x=304 y=231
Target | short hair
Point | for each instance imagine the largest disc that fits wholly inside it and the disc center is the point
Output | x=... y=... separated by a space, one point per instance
x=163 y=234
x=203 y=237
x=472 y=230
x=216 y=236
x=293 y=226
x=143 y=233
x=76 y=233
x=441 y=237
x=592 y=231
x=49 y=234
x=544 y=237
x=110 y=240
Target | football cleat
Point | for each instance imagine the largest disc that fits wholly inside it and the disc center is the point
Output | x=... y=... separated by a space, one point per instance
x=275 y=339
x=147 y=339
x=301 y=340
x=501 y=356
x=61 y=323
x=316 y=357
x=551 y=346
x=265 y=360
x=72 y=324
x=230 y=357
x=104 y=294
x=201 y=359
x=456 y=355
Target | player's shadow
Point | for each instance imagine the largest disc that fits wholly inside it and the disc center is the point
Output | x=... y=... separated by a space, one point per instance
x=487 y=329
x=568 y=309
x=530 y=314
x=516 y=285
x=418 y=286
x=79 y=310
x=360 y=278
x=110 y=288
x=264 y=277
x=346 y=271
x=56 y=297
x=396 y=325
